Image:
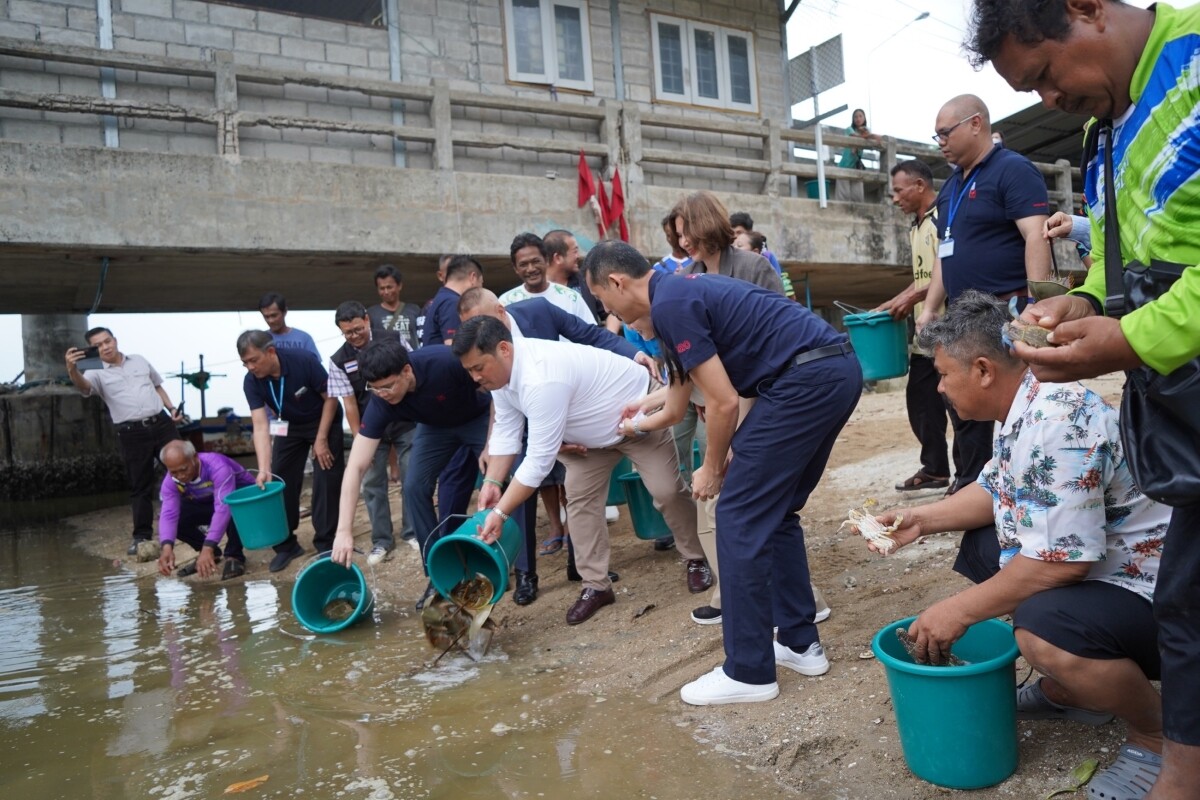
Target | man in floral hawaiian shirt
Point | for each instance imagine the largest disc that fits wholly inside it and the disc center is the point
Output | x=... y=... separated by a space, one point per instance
x=1079 y=544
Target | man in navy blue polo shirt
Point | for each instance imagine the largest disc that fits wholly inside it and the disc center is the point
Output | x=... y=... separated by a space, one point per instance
x=990 y=215
x=293 y=386
x=734 y=339
x=428 y=387
x=441 y=318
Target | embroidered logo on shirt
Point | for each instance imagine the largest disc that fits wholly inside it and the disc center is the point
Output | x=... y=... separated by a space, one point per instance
x=683 y=346
x=441 y=398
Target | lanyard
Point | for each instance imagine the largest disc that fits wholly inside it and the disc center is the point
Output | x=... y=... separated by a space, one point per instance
x=278 y=400
x=958 y=201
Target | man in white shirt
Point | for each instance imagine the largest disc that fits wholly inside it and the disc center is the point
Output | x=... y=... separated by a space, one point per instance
x=572 y=397
x=132 y=390
x=528 y=253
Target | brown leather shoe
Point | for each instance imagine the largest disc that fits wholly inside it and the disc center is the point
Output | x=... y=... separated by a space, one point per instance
x=590 y=601
x=699 y=576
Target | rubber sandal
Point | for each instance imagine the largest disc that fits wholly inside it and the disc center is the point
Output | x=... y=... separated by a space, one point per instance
x=1130 y=777
x=921 y=480
x=552 y=546
x=1032 y=703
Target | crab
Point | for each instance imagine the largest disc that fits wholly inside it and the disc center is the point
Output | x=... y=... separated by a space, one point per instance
x=872 y=530
x=1020 y=331
x=910 y=647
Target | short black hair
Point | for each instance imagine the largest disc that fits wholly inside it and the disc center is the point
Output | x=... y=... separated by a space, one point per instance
x=272 y=299
x=523 y=240
x=462 y=266
x=554 y=243
x=741 y=218
x=259 y=340
x=87 y=337
x=483 y=332
x=1028 y=21
x=612 y=256
x=382 y=358
x=349 y=311
x=388 y=271
x=915 y=168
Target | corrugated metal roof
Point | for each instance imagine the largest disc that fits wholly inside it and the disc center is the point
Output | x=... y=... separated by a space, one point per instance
x=1043 y=134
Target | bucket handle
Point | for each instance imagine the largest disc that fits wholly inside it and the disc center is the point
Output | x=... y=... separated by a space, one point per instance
x=461 y=518
x=274 y=478
x=849 y=309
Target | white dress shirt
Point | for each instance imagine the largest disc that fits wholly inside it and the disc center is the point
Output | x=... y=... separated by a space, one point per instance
x=568 y=393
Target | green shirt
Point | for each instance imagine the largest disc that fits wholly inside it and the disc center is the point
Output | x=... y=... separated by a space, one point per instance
x=1156 y=167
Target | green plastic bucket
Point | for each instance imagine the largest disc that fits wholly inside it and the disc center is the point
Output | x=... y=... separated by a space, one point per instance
x=259 y=515
x=813 y=190
x=616 y=491
x=323 y=582
x=880 y=342
x=648 y=523
x=958 y=725
x=459 y=556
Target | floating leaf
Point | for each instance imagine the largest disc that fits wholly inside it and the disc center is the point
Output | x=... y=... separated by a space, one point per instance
x=245 y=786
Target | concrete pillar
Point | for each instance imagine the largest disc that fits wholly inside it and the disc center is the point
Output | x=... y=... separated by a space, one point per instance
x=46 y=337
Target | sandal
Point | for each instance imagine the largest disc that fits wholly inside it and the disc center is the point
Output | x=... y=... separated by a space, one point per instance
x=1130 y=777
x=552 y=546
x=1032 y=703
x=922 y=480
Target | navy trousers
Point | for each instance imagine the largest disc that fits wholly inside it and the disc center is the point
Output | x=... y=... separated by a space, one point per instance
x=433 y=449
x=780 y=452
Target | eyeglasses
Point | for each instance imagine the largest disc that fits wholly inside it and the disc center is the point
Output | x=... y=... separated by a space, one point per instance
x=941 y=136
x=381 y=390
x=361 y=330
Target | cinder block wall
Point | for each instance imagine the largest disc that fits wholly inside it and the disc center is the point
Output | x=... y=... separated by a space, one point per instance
x=461 y=41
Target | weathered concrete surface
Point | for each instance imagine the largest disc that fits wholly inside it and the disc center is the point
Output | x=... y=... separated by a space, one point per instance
x=202 y=233
x=45 y=338
x=55 y=443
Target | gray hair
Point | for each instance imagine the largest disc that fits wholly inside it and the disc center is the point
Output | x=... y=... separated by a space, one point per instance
x=259 y=340
x=969 y=329
x=186 y=448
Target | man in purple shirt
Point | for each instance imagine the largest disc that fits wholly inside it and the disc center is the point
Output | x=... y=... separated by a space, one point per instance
x=193 y=509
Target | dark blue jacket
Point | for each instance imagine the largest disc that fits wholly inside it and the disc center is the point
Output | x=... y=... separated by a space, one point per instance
x=540 y=319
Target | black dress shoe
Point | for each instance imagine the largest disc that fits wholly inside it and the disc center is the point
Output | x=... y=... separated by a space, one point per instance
x=590 y=601
x=132 y=549
x=527 y=588
x=282 y=559
x=699 y=576
x=664 y=543
x=430 y=593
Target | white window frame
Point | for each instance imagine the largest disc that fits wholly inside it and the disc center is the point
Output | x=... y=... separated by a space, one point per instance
x=691 y=94
x=549 y=46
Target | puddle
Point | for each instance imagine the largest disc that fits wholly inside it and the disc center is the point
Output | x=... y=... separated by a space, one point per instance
x=115 y=686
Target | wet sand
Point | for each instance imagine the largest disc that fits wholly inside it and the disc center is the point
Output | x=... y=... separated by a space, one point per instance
x=827 y=737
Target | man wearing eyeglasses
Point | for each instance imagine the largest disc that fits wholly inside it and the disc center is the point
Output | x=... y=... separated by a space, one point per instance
x=990 y=214
x=346 y=383
x=429 y=387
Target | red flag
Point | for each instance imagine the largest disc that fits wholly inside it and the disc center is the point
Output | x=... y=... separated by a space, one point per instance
x=616 y=209
x=587 y=184
x=605 y=208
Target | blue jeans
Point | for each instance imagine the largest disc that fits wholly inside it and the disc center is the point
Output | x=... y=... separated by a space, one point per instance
x=779 y=455
x=431 y=452
x=375 y=497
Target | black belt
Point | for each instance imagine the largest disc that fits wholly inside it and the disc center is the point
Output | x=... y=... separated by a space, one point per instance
x=840 y=349
x=139 y=423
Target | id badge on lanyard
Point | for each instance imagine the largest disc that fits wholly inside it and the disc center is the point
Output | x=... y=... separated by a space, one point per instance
x=278 y=427
x=946 y=245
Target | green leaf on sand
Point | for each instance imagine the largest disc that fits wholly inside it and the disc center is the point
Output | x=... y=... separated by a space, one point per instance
x=1080 y=775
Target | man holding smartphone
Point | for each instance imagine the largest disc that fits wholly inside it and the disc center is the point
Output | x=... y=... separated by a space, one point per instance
x=132 y=390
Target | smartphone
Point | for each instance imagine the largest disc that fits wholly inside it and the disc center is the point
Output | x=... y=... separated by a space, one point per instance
x=91 y=352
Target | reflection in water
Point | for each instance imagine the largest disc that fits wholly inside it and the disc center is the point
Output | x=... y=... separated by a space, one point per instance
x=117 y=686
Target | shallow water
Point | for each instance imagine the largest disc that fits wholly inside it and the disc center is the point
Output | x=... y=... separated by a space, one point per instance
x=115 y=686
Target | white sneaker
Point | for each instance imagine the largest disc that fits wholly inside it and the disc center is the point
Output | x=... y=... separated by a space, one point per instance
x=811 y=662
x=716 y=688
x=822 y=614
x=611 y=514
x=378 y=555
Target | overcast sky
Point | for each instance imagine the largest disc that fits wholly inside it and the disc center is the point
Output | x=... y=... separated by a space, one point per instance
x=899 y=69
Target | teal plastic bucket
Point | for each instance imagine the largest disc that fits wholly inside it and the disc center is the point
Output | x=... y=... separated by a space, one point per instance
x=616 y=491
x=322 y=583
x=813 y=190
x=958 y=725
x=648 y=523
x=460 y=556
x=259 y=514
x=880 y=342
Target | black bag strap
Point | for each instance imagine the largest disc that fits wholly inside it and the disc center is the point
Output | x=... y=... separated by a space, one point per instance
x=1114 y=281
